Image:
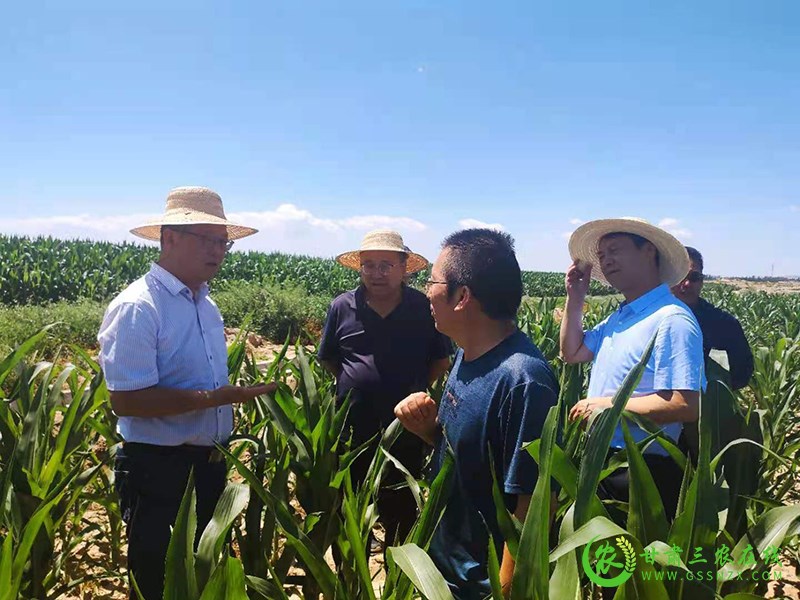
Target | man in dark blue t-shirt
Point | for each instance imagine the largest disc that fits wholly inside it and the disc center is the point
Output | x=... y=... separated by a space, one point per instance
x=496 y=399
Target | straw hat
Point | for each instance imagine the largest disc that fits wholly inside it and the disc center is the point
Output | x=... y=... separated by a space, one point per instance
x=192 y=206
x=673 y=258
x=383 y=239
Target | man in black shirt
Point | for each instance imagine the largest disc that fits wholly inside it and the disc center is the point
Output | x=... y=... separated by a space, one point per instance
x=381 y=343
x=721 y=330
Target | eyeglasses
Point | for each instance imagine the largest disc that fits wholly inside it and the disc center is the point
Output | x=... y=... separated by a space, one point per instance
x=211 y=242
x=430 y=283
x=694 y=276
x=383 y=268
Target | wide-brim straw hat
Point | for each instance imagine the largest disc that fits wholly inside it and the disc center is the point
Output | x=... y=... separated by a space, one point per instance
x=673 y=259
x=192 y=206
x=385 y=240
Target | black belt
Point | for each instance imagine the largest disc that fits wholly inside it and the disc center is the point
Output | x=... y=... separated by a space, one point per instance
x=202 y=453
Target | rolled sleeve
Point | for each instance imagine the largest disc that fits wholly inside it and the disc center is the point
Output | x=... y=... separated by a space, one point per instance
x=128 y=347
x=523 y=418
x=678 y=354
x=593 y=337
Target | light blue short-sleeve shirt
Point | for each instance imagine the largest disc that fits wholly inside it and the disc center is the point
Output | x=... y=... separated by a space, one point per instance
x=157 y=333
x=619 y=342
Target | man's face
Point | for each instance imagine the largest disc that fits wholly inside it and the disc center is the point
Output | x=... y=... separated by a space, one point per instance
x=382 y=271
x=690 y=288
x=442 y=309
x=622 y=263
x=198 y=250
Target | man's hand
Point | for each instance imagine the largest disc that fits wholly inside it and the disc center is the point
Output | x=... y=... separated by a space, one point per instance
x=583 y=409
x=164 y=402
x=571 y=336
x=577 y=280
x=235 y=394
x=417 y=412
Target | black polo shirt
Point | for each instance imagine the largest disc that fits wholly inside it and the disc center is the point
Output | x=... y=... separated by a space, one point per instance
x=722 y=331
x=380 y=360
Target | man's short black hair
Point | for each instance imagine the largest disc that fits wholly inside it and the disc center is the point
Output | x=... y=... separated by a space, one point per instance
x=637 y=240
x=484 y=261
x=695 y=256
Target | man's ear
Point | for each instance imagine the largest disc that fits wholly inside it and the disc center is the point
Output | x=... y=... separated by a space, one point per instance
x=463 y=297
x=167 y=239
x=652 y=252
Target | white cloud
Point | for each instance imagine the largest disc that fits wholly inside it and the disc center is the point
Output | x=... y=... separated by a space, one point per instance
x=673 y=226
x=574 y=221
x=111 y=228
x=287 y=228
x=476 y=224
x=289 y=214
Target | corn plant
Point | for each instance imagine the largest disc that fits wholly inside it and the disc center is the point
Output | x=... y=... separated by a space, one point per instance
x=48 y=460
x=701 y=521
x=41 y=270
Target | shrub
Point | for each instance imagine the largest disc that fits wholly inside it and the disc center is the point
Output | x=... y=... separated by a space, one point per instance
x=76 y=323
x=275 y=311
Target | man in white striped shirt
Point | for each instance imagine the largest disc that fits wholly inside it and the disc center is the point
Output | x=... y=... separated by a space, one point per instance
x=163 y=353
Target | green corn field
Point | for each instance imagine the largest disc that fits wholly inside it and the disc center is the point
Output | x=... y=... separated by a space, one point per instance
x=290 y=501
x=47 y=270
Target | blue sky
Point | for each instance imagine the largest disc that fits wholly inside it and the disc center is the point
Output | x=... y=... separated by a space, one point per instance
x=317 y=121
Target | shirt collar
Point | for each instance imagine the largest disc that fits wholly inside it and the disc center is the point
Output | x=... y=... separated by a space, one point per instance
x=646 y=300
x=174 y=285
x=702 y=305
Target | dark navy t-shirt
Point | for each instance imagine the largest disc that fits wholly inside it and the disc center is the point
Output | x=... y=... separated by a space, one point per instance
x=498 y=401
x=380 y=360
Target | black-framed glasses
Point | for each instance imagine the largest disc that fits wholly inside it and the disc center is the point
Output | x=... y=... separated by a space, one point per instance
x=431 y=282
x=694 y=276
x=382 y=267
x=211 y=241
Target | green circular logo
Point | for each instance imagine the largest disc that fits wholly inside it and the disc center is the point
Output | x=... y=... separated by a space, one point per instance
x=607 y=560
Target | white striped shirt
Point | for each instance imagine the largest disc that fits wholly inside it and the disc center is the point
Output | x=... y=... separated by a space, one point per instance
x=156 y=333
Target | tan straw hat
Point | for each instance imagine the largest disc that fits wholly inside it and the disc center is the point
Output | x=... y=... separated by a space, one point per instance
x=673 y=258
x=192 y=206
x=382 y=239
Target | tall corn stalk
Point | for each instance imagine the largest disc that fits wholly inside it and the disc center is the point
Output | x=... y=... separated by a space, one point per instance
x=48 y=461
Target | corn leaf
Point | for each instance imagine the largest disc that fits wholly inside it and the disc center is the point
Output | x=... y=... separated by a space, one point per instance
x=600 y=439
x=419 y=568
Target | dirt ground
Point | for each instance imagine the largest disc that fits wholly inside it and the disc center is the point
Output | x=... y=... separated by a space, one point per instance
x=787 y=286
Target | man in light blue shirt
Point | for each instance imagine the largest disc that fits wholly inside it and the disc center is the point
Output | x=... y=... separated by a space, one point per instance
x=642 y=262
x=163 y=354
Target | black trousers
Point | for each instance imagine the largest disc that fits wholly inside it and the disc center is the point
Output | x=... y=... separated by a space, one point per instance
x=397 y=509
x=151 y=481
x=666 y=474
x=667 y=477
